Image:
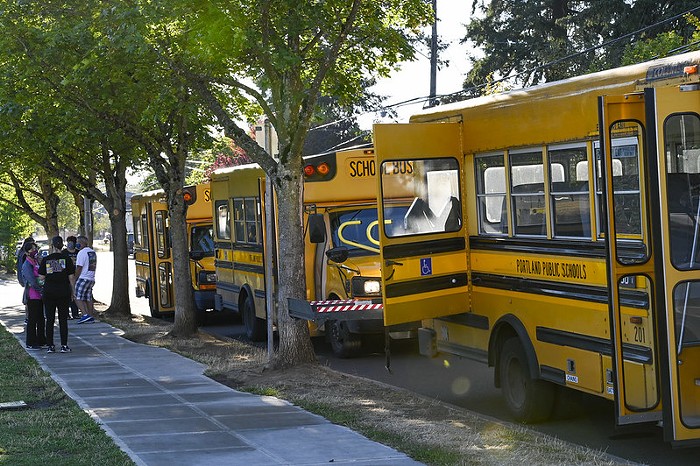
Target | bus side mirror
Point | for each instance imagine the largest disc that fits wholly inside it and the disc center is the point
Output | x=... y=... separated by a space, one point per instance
x=338 y=255
x=317 y=228
x=197 y=255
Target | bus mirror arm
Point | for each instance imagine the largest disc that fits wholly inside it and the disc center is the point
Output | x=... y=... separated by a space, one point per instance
x=349 y=269
x=389 y=262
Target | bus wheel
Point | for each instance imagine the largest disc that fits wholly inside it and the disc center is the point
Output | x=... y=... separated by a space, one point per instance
x=343 y=343
x=151 y=304
x=255 y=328
x=202 y=317
x=529 y=400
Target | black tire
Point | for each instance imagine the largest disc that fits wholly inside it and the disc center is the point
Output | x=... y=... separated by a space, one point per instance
x=529 y=400
x=255 y=328
x=343 y=343
x=202 y=318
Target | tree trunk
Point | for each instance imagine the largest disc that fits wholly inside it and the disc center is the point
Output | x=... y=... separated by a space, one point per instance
x=185 y=314
x=51 y=201
x=294 y=342
x=120 y=304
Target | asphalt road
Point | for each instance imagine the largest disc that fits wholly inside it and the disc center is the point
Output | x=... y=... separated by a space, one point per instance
x=580 y=419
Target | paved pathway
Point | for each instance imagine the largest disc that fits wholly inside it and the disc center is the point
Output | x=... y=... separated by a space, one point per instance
x=160 y=408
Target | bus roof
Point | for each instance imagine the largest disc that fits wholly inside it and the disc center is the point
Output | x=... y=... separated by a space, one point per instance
x=623 y=77
x=350 y=176
x=199 y=209
x=564 y=110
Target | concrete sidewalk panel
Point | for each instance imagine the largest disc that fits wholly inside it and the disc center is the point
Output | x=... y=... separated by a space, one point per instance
x=191 y=441
x=164 y=426
x=323 y=443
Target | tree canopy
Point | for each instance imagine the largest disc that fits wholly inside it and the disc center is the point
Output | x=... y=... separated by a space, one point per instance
x=547 y=40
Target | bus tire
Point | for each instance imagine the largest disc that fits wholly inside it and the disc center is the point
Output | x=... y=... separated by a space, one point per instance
x=255 y=327
x=529 y=400
x=343 y=343
x=202 y=317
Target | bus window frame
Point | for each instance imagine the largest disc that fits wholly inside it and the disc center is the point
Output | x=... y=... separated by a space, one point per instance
x=597 y=170
x=669 y=184
x=553 y=194
x=227 y=227
x=482 y=194
x=245 y=221
x=419 y=202
x=160 y=219
x=533 y=150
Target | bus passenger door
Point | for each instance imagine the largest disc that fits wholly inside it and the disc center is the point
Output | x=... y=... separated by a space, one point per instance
x=421 y=228
x=162 y=294
x=623 y=181
x=677 y=113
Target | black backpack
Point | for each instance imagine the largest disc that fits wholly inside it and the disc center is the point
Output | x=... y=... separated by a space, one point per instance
x=20 y=262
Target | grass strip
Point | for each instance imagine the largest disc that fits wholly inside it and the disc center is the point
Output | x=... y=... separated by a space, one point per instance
x=53 y=430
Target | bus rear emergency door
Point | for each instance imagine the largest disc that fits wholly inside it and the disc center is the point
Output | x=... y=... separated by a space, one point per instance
x=421 y=228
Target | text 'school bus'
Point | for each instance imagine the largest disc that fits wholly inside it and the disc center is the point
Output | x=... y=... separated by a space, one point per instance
x=341 y=249
x=153 y=250
x=572 y=257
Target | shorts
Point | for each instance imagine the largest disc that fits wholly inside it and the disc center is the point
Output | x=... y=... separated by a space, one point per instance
x=83 y=290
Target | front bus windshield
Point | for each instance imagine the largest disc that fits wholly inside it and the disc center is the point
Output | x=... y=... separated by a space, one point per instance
x=201 y=239
x=357 y=229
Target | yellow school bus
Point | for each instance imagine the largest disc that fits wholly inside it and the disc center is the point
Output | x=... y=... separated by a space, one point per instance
x=341 y=249
x=553 y=234
x=153 y=251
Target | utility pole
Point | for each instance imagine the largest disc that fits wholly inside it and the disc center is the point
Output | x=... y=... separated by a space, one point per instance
x=433 y=59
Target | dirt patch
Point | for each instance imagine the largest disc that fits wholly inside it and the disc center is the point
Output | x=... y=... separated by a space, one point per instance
x=428 y=430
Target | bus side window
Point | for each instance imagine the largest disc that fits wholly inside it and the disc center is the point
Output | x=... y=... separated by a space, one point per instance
x=491 y=194
x=569 y=191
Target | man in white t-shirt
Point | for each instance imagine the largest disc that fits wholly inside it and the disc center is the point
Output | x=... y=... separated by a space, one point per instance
x=85 y=266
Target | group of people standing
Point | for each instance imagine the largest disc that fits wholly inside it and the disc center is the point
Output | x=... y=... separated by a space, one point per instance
x=60 y=282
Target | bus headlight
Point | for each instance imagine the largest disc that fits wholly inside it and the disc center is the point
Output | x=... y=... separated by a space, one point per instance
x=205 y=277
x=362 y=286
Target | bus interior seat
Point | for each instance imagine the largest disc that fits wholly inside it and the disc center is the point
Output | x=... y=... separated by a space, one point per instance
x=450 y=218
x=419 y=218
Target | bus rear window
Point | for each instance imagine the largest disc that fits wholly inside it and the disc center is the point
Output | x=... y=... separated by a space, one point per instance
x=430 y=188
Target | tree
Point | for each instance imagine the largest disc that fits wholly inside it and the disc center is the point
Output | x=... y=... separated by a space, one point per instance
x=283 y=55
x=48 y=96
x=334 y=128
x=14 y=226
x=663 y=44
x=542 y=40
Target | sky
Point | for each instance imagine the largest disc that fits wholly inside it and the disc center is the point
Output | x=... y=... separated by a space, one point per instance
x=413 y=78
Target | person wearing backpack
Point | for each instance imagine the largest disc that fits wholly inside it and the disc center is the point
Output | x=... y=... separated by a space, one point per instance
x=21 y=255
x=35 y=336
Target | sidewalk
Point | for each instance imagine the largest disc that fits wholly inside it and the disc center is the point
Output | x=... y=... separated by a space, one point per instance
x=161 y=410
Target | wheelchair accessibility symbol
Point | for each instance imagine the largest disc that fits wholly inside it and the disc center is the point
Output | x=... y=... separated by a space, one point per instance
x=426 y=266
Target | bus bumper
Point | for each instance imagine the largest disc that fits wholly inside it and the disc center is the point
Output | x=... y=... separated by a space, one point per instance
x=204 y=300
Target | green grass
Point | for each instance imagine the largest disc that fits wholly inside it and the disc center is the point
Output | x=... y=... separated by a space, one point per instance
x=53 y=430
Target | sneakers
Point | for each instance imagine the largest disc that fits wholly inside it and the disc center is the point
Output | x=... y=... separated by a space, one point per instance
x=52 y=349
x=86 y=319
x=65 y=349
x=34 y=347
